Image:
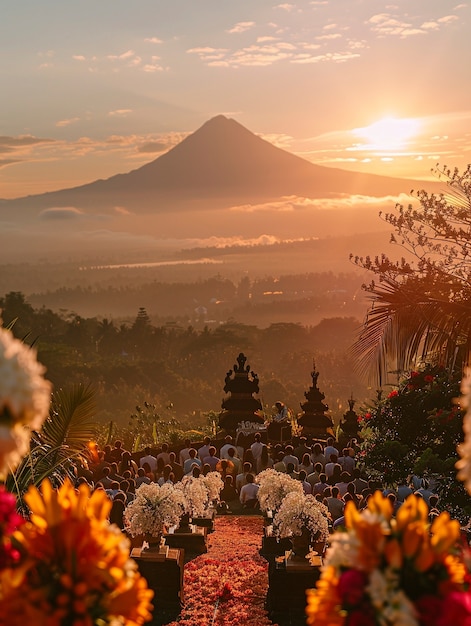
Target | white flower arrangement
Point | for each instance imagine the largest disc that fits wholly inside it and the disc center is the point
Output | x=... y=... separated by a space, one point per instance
x=298 y=511
x=153 y=508
x=214 y=484
x=274 y=486
x=196 y=495
x=25 y=397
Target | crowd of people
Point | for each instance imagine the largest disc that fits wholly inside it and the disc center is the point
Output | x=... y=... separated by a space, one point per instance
x=329 y=472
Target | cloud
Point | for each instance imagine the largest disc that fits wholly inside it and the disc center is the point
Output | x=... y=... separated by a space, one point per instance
x=152 y=146
x=120 y=113
x=121 y=210
x=392 y=25
x=241 y=27
x=5 y=162
x=342 y=201
x=152 y=67
x=62 y=123
x=23 y=140
x=153 y=40
x=286 y=6
x=79 y=57
x=121 y=57
x=61 y=213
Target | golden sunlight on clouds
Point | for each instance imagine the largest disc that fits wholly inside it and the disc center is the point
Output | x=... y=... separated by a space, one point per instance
x=388 y=133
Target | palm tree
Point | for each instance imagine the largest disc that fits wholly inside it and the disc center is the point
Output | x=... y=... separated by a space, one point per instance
x=421 y=311
x=410 y=321
x=62 y=440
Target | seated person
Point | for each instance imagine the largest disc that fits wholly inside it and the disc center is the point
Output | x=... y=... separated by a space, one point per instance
x=248 y=493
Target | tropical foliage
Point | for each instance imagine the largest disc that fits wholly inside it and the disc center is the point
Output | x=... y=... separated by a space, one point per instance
x=62 y=441
x=421 y=304
x=415 y=429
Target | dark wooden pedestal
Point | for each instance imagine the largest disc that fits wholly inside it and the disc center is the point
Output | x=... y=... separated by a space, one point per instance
x=272 y=546
x=288 y=579
x=205 y=522
x=192 y=542
x=163 y=570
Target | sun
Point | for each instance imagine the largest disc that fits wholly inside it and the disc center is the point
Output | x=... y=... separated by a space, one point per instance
x=389 y=133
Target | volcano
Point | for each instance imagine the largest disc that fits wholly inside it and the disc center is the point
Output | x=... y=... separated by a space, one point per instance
x=219 y=165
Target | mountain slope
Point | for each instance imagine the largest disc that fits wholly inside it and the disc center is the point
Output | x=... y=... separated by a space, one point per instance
x=219 y=165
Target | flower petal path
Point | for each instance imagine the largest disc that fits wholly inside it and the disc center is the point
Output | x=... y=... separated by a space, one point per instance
x=231 y=563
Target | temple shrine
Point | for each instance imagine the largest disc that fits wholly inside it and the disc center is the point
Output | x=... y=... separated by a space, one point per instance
x=240 y=410
x=314 y=421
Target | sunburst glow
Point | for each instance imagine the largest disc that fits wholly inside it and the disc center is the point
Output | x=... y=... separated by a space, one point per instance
x=388 y=133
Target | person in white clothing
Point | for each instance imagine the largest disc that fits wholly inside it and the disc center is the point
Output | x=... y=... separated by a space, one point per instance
x=256 y=449
x=224 y=452
x=248 y=493
x=148 y=458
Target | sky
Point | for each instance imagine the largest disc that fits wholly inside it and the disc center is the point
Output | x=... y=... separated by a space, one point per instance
x=94 y=88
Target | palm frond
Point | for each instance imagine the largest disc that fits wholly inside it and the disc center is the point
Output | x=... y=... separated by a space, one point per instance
x=63 y=438
x=404 y=325
x=70 y=422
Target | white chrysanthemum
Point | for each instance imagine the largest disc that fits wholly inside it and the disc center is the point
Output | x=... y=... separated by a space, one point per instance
x=343 y=550
x=196 y=495
x=464 y=450
x=153 y=508
x=214 y=484
x=298 y=511
x=274 y=486
x=25 y=397
x=25 y=394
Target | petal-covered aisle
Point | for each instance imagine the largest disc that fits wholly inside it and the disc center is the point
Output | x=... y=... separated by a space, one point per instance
x=228 y=585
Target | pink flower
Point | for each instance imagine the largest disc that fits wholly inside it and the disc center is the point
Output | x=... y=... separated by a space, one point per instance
x=351 y=587
x=456 y=609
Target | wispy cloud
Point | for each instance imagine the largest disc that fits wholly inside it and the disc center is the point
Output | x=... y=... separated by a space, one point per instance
x=120 y=113
x=302 y=203
x=153 y=40
x=69 y=122
x=395 y=25
x=240 y=27
x=61 y=213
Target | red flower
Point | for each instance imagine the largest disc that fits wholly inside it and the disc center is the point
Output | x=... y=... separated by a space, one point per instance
x=393 y=393
x=456 y=609
x=225 y=594
x=360 y=617
x=351 y=587
x=414 y=374
x=429 y=608
x=429 y=378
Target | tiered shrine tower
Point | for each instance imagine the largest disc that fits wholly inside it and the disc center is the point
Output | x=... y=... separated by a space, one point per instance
x=313 y=419
x=240 y=408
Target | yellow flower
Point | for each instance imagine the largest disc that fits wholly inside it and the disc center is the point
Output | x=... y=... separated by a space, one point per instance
x=414 y=509
x=445 y=532
x=78 y=568
x=323 y=602
x=380 y=505
x=393 y=553
x=370 y=533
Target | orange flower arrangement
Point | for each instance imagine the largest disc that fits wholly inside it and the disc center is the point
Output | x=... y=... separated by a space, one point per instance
x=75 y=569
x=386 y=571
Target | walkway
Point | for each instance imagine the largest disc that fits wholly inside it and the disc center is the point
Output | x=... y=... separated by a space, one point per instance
x=227 y=586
